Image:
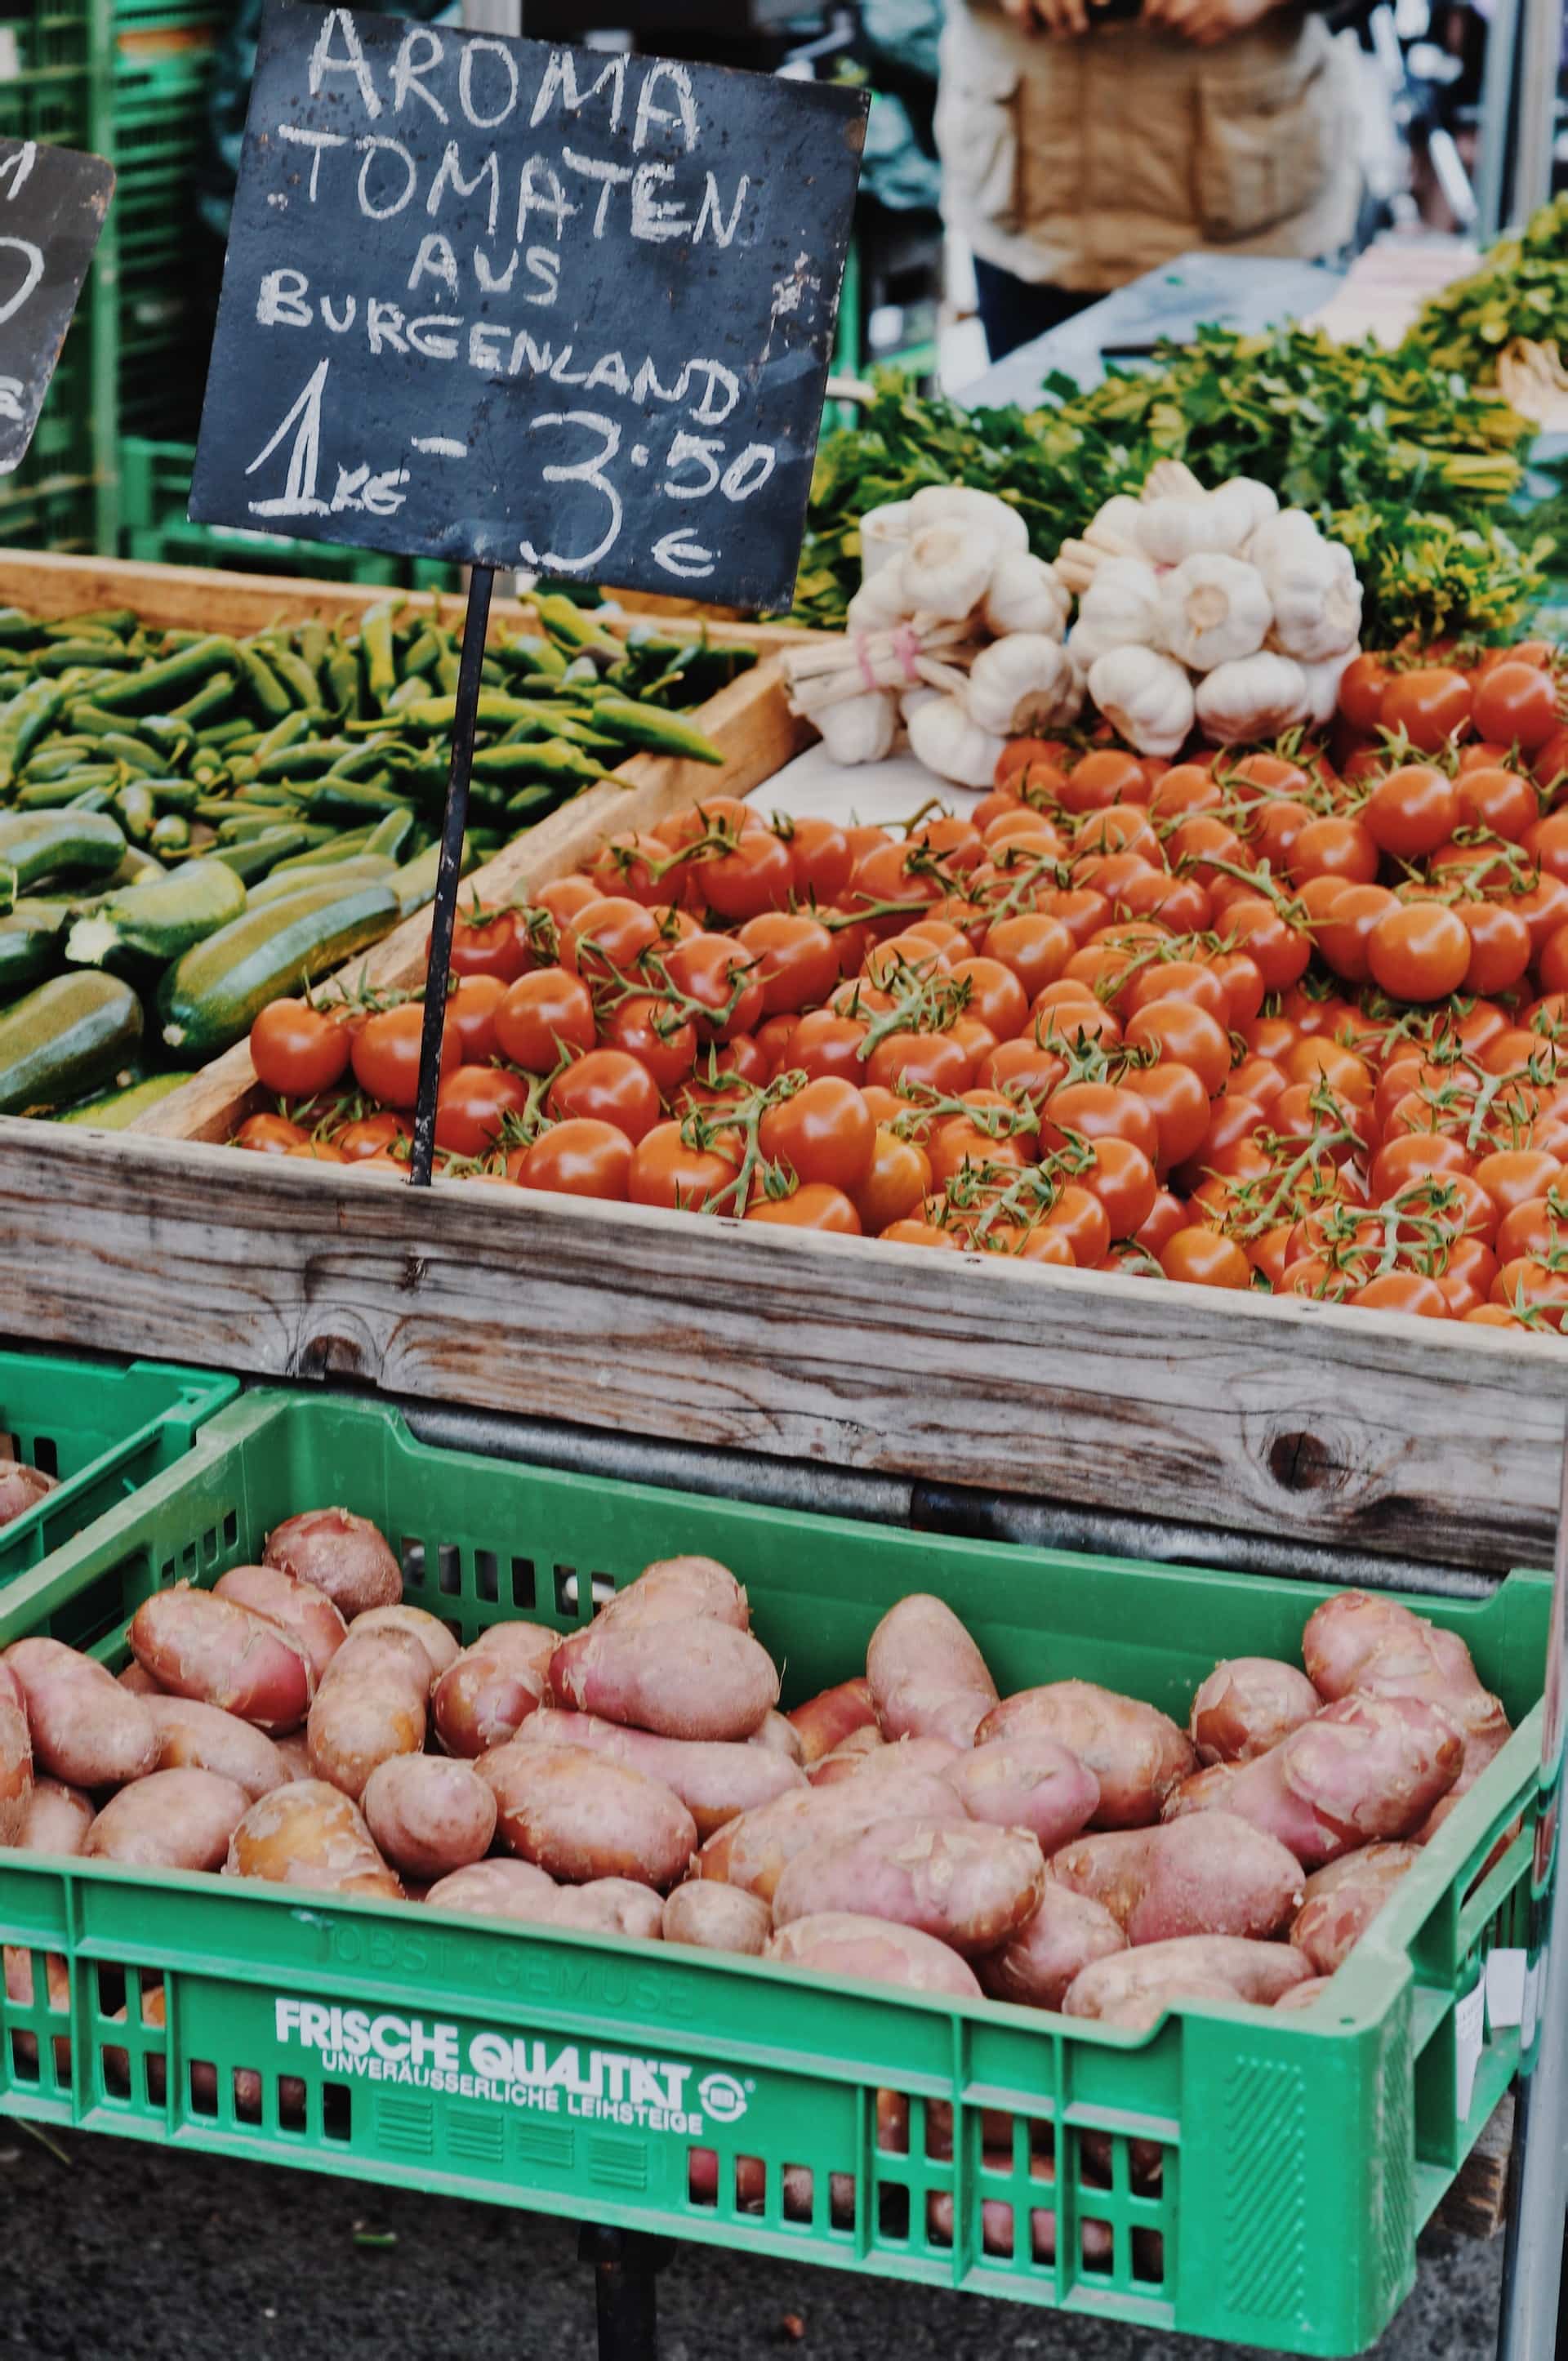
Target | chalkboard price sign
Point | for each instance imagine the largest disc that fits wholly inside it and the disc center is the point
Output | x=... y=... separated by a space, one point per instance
x=525 y=305
x=52 y=204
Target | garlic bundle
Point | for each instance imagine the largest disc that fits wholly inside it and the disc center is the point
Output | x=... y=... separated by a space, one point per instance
x=1212 y=610
x=883 y=533
x=1257 y=696
x=1146 y=696
x=1017 y=686
x=948 y=741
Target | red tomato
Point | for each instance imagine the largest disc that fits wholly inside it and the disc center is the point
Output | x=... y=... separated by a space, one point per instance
x=1411 y=811
x=911 y=1232
x=798 y=960
x=1418 y=950
x=545 y=1016
x=1105 y=777
x=1180 y=1030
x=1094 y=1111
x=633 y=865
x=1517 y=703
x=758 y=875
x=299 y=1049
x=997 y=998
x=1079 y=1215
x=1203 y=1257
x=471 y=1004
x=1362 y=688
x=813 y=1207
x=1335 y=847
x=720 y=976
x=1430 y=706
x=370 y=1135
x=1123 y=1177
x=825 y=1043
x=270 y=1135
x=579 y=1158
x=1022 y=1070
x=934 y=1060
x=1498 y=800
x=656 y=1033
x=472 y=1106
x=825 y=1133
x=1402 y=1291
x=386 y=1053
x=1499 y=946
x=896 y=1184
x=608 y=1086
x=489 y=944
x=607 y=937
x=821 y=859
x=666 y=1170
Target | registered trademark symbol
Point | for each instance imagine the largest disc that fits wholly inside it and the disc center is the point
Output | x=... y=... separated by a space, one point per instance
x=749 y=2084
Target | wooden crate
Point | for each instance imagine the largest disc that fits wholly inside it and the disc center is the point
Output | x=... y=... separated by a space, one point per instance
x=1290 y=1418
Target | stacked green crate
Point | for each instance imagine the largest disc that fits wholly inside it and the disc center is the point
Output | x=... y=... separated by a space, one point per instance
x=158 y=132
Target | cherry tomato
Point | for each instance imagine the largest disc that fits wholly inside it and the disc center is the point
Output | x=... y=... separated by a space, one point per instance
x=1466 y=1276
x=269 y=1135
x=633 y=865
x=319 y=1151
x=471 y=1004
x=1430 y=706
x=1079 y=1215
x=1279 y=949
x=1362 y=688
x=715 y=816
x=1019 y=753
x=1181 y=1030
x=1402 y=1291
x=909 y=1232
x=1499 y=946
x=895 y=1186
x=1201 y=1258
x=1517 y=703
x=813 y=1207
x=1336 y=846
x=934 y=1060
x=997 y=997
x=1512 y=1176
x=497 y=944
x=666 y=1170
x=1105 y=776
x=608 y=937
x=563 y=897
x=579 y=1158
x=1498 y=800
x=1411 y=811
x=472 y=1106
x=1023 y=1072
x=654 y=1031
x=545 y=1016
x=1094 y=1111
x=825 y=1043
x=608 y=1086
x=758 y=875
x=1526 y=1285
x=386 y=1052
x=1418 y=950
x=1123 y=1177
x=720 y=976
x=298 y=1049
x=370 y=1135
x=1187 y=980
x=826 y=1133
x=821 y=859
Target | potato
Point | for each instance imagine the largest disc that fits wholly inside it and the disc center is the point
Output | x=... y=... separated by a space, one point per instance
x=1136 y=1987
x=826 y=1721
x=171 y=1819
x=925 y=1674
x=1246 y=1705
x=15 y=1760
x=996 y=2217
x=370 y=1706
x=717 y=1919
x=754 y=1850
x=196 y=1736
x=86 y=1730
x=610 y=1905
x=296 y=1607
x=520 y=1642
x=778 y=1734
x=1303 y=1995
x=966 y=1883
x=488 y=1693
x=22 y=1486
x=1028 y=1781
x=1210 y=1875
x=1205 y=1791
x=310 y=1833
x=715 y=1781
x=680 y=1677
x=1353 y=1641
x=429 y=1815
x=498 y=1889
x=1035 y=1967
x=57 y=1820
x=682 y=1588
x=343 y=1554
x=860 y=1949
x=1342 y=1900
x=16 y=1970
x=1135 y=1752
x=1366 y=1769
x=869 y=1755
x=429 y=1630
x=197 y=1645
x=581 y=1818
x=295 y=1751
x=135 y=1678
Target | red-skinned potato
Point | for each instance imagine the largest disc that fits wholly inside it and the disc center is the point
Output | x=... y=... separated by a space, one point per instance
x=1355 y=1642
x=86 y=1730
x=15 y=1760
x=679 y=1678
x=1028 y=1781
x=298 y=1608
x=295 y=1750
x=310 y=1833
x=428 y=1814
x=137 y=1679
x=1342 y=1900
x=1136 y=1987
x=925 y=1674
x=968 y=1884
x=1362 y=1771
x=486 y=1696
x=343 y=1554
x=715 y=1781
x=778 y=1734
x=996 y=2233
x=370 y=1706
x=1302 y=1995
x=826 y=1721
x=17 y=1968
x=681 y=1587
x=754 y=1850
x=1210 y=1875
x=22 y=1486
x=57 y=1820
x=610 y=1905
x=846 y=1759
x=869 y=1755
x=429 y=1630
x=581 y=1818
x=196 y=1736
x=498 y=1889
x=848 y=1944
x=1135 y=1752
x=1246 y=1705
x=171 y=1819
x=1036 y=1966
x=713 y=1917
x=197 y=1645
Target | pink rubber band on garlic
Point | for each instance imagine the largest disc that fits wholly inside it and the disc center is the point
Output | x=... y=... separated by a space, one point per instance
x=868 y=670
x=906 y=648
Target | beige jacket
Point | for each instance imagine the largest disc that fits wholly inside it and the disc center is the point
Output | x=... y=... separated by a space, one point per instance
x=1083 y=162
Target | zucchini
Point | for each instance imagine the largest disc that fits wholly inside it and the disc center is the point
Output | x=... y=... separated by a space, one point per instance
x=64 y=1039
x=160 y=921
x=210 y=996
x=116 y=1110
x=29 y=946
x=37 y=844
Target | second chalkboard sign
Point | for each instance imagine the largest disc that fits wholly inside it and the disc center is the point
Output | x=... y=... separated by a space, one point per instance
x=52 y=204
x=528 y=306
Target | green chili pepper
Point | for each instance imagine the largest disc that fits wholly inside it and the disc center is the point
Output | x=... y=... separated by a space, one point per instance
x=59 y=757
x=135 y=810
x=569 y=627
x=97 y=655
x=530 y=656
x=49 y=795
x=377 y=650
x=171 y=833
x=23 y=722
x=661 y=732
x=299 y=678
x=151 y=687
x=265 y=687
x=212 y=698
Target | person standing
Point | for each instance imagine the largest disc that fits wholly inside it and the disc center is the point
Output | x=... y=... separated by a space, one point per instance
x=1083 y=146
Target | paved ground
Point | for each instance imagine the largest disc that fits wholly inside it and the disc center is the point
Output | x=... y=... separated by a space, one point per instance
x=122 y=2253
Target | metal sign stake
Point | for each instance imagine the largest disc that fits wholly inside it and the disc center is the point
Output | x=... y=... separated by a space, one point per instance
x=475 y=623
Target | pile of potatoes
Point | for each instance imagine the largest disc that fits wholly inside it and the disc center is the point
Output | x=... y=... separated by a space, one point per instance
x=1063 y=1848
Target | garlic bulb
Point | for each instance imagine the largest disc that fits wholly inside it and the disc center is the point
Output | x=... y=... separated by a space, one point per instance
x=910 y=700
x=1290 y=535
x=945 y=739
x=1121 y=606
x=1246 y=497
x=947 y=567
x=1317 y=600
x=1085 y=646
x=958 y=504
x=1017 y=685
x=1170 y=529
x=1256 y=697
x=883 y=533
x=1323 y=683
x=1113 y=527
x=879 y=603
x=1212 y=610
x=1147 y=695
x=1025 y=595
x=859 y=729
x=1171 y=478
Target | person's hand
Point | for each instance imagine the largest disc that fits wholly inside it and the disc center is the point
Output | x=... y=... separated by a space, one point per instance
x=1207 y=21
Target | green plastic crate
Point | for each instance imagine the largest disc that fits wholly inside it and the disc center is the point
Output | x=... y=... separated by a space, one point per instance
x=102 y=1429
x=155 y=487
x=1299 y=2155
